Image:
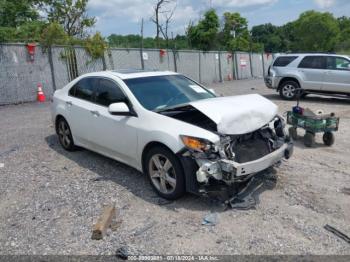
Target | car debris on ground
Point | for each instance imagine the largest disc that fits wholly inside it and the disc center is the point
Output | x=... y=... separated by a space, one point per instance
x=210 y=219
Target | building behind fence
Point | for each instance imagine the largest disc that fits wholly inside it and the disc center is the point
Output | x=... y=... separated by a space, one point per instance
x=56 y=67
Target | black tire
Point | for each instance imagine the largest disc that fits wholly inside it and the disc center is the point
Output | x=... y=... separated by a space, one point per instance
x=328 y=138
x=288 y=90
x=293 y=133
x=309 y=139
x=65 y=135
x=170 y=191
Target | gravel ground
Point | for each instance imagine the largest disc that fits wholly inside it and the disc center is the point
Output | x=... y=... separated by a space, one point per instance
x=50 y=198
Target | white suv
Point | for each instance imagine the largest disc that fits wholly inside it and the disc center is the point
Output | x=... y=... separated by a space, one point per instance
x=312 y=73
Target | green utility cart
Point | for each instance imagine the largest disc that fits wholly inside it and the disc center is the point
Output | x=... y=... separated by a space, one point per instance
x=313 y=123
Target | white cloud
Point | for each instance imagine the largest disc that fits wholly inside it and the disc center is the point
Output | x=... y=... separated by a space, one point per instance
x=242 y=3
x=325 y=3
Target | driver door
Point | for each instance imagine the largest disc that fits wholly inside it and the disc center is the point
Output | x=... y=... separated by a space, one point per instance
x=337 y=75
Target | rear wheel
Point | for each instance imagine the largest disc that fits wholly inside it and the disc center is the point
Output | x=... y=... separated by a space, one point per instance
x=288 y=90
x=328 y=138
x=65 y=135
x=165 y=173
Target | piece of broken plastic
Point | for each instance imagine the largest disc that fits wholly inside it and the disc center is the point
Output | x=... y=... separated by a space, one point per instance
x=210 y=219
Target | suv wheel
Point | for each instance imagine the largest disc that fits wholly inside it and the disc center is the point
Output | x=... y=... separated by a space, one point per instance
x=165 y=173
x=288 y=90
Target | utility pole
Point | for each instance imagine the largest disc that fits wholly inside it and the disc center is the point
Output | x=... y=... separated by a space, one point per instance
x=141 y=47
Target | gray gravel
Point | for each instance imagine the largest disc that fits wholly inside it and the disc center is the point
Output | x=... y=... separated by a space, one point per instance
x=50 y=198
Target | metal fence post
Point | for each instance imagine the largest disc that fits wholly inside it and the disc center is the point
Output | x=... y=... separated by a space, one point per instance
x=199 y=60
x=175 y=63
x=236 y=66
x=220 y=69
x=49 y=55
x=263 y=63
x=250 y=63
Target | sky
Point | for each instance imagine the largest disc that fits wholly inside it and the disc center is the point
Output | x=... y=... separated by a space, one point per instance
x=124 y=16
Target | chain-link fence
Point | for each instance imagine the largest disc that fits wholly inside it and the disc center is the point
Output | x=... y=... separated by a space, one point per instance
x=55 y=67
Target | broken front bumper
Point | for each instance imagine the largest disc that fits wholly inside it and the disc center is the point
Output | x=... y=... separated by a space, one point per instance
x=230 y=171
x=242 y=169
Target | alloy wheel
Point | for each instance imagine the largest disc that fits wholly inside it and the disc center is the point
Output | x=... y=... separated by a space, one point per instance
x=288 y=91
x=162 y=174
x=64 y=134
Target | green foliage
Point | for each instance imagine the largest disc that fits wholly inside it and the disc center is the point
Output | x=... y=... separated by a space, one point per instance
x=134 y=41
x=315 y=31
x=204 y=34
x=27 y=32
x=344 y=37
x=96 y=46
x=235 y=35
x=52 y=34
x=17 y=12
x=7 y=34
x=71 y=15
x=268 y=35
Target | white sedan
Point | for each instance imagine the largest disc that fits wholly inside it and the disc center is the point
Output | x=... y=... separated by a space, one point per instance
x=171 y=128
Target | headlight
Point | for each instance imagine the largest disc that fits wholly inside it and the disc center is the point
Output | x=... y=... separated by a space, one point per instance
x=196 y=144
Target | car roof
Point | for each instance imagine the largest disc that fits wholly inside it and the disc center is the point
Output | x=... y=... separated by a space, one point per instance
x=310 y=54
x=138 y=73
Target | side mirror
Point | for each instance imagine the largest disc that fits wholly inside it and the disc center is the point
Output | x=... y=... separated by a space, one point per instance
x=119 y=109
x=212 y=90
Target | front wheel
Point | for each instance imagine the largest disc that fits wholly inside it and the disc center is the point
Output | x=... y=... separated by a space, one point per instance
x=309 y=139
x=165 y=173
x=288 y=90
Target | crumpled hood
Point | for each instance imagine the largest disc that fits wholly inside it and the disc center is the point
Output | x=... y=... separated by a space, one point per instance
x=235 y=115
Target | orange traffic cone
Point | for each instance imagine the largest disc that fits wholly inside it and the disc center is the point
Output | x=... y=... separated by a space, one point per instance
x=41 y=96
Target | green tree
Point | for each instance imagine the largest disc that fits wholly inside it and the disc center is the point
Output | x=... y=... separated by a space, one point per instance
x=204 y=34
x=235 y=34
x=53 y=33
x=71 y=14
x=17 y=12
x=96 y=46
x=344 y=37
x=315 y=31
x=268 y=35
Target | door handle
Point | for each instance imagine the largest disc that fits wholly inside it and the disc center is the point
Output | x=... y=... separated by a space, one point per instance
x=69 y=103
x=95 y=113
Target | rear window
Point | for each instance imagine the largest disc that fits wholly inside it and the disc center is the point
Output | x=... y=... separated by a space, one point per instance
x=284 y=60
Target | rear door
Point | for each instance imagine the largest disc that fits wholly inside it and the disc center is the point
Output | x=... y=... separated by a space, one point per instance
x=79 y=108
x=337 y=75
x=312 y=71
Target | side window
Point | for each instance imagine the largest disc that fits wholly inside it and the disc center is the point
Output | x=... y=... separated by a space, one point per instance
x=284 y=60
x=337 y=63
x=84 y=89
x=313 y=62
x=108 y=93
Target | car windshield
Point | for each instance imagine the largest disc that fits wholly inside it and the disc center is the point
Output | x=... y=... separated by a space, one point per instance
x=158 y=93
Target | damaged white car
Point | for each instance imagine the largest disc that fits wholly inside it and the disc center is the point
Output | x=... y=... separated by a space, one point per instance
x=171 y=128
